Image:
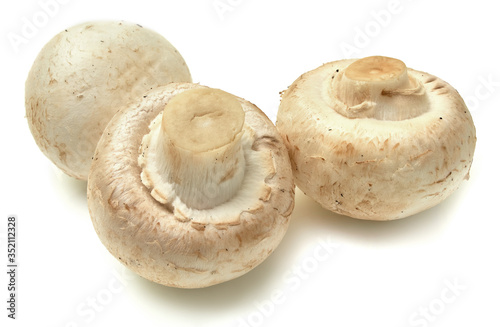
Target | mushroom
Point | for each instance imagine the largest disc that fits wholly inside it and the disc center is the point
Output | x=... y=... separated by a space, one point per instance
x=373 y=139
x=83 y=76
x=190 y=187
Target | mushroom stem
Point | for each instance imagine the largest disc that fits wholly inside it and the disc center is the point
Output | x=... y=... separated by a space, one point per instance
x=200 y=137
x=378 y=87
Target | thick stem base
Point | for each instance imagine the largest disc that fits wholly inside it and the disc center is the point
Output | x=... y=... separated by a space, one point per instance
x=378 y=87
x=199 y=142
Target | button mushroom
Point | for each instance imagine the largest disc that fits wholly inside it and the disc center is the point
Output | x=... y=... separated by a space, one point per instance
x=372 y=139
x=190 y=187
x=83 y=76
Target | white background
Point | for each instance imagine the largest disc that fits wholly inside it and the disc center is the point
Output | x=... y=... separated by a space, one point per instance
x=329 y=270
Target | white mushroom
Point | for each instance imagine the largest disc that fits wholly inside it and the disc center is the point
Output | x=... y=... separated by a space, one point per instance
x=191 y=187
x=374 y=140
x=83 y=76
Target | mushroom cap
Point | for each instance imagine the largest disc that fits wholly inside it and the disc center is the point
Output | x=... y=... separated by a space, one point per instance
x=371 y=168
x=83 y=76
x=167 y=242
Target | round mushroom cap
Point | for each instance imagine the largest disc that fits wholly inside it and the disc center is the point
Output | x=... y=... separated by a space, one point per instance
x=83 y=76
x=398 y=154
x=146 y=225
